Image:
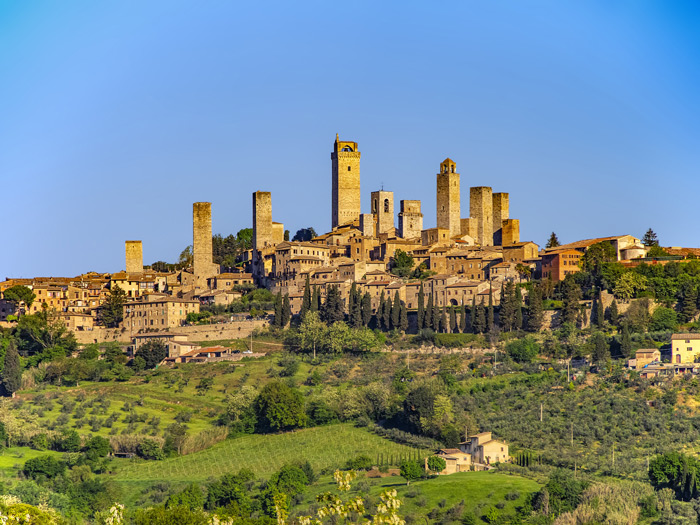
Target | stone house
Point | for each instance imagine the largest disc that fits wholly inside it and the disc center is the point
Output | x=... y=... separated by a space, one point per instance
x=684 y=348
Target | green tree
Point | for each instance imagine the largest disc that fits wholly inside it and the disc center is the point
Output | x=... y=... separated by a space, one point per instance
x=428 y=318
x=286 y=235
x=507 y=315
x=402 y=264
x=316 y=300
x=286 y=311
x=12 y=370
x=598 y=311
x=518 y=308
x=664 y=319
x=453 y=320
x=421 y=308
x=443 y=320
x=411 y=471
x=601 y=348
x=311 y=332
x=650 y=238
x=333 y=307
x=613 y=313
x=436 y=464
x=626 y=342
x=479 y=318
x=553 y=241
x=190 y=498
x=490 y=325
x=18 y=294
x=186 y=258
x=596 y=255
x=306 y=301
x=463 y=325
x=396 y=311
x=304 y=234
x=280 y=407
x=535 y=316
x=572 y=296
x=278 y=310
x=366 y=309
x=628 y=285
x=111 y=312
x=687 y=301
x=523 y=350
x=152 y=352
x=403 y=318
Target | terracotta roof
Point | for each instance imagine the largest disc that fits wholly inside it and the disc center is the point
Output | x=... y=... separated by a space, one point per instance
x=676 y=337
x=585 y=243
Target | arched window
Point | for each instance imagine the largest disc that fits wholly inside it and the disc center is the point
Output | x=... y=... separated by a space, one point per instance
x=386 y=205
x=453 y=169
x=374 y=206
x=347 y=148
x=349 y=168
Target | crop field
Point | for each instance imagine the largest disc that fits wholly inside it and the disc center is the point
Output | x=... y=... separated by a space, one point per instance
x=324 y=447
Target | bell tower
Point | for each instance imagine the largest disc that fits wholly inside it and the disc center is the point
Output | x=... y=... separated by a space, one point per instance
x=346 y=182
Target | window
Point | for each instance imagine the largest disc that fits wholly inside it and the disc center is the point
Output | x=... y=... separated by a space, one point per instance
x=349 y=168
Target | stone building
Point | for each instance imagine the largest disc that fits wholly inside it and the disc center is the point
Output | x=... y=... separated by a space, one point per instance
x=346 y=182
x=134 y=256
x=383 y=210
x=159 y=313
x=202 y=254
x=448 y=198
x=481 y=210
x=410 y=219
x=510 y=232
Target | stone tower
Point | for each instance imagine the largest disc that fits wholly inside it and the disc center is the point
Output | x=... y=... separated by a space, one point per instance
x=511 y=232
x=500 y=214
x=481 y=209
x=383 y=210
x=134 y=257
x=410 y=220
x=262 y=219
x=201 y=244
x=346 y=182
x=448 y=203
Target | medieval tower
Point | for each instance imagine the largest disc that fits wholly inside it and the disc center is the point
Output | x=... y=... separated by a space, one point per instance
x=500 y=214
x=262 y=219
x=448 y=203
x=346 y=182
x=410 y=219
x=202 y=255
x=383 y=210
x=134 y=257
x=481 y=210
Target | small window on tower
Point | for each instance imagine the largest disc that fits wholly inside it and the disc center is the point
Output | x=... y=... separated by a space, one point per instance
x=349 y=168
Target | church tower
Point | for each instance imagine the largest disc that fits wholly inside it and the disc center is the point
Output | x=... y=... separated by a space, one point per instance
x=448 y=199
x=346 y=182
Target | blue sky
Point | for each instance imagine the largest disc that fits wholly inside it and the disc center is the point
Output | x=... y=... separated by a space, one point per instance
x=116 y=116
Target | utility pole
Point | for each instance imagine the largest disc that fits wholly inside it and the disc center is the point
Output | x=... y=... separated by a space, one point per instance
x=572 y=433
x=568 y=371
x=613 y=457
x=540 y=412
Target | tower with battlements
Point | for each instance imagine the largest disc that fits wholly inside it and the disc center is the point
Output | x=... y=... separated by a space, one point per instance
x=346 y=183
x=134 y=257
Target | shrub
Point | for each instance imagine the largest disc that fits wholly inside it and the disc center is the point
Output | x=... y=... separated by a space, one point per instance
x=523 y=350
x=149 y=449
x=44 y=467
x=359 y=463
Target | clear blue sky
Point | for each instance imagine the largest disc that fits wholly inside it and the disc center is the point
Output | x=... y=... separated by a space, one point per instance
x=116 y=116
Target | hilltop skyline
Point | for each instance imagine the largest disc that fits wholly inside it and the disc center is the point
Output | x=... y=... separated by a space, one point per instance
x=117 y=119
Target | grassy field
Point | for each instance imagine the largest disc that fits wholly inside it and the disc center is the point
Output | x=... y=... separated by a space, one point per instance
x=478 y=490
x=324 y=447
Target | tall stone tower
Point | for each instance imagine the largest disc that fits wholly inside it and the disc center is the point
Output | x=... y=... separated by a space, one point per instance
x=262 y=219
x=481 y=210
x=500 y=214
x=410 y=220
x=346 y=182
x=448 y=201
x=201 y=244
x=383 y=210
x=134 y=257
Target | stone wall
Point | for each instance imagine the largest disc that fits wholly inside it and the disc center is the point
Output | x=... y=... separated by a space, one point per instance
x=510 y=232
x=481 y=210
x=213 y=332
x=134 y=256
x=410 y=219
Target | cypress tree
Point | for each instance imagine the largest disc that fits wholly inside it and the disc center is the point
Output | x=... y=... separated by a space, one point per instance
x=507 y=310
x=366 y=309
x=315 y=300
x=443 y=320
x=396 y=312
x=463 y=319
x=518 y=308
x=386 y=314
x=613 y=313
x=436 y=316
x=453 y=320
x=306 y=301
x=286 y=311
x=421 y=307
x=351 y=302
x=489 y=313
x=480 y=325
x=428 y=320
x=599 y=314
x=278 y=310
x=536 y=314
x=626 y=341
x=357 y=314
x=380 y=311
x=12 y=370
x=403 y=321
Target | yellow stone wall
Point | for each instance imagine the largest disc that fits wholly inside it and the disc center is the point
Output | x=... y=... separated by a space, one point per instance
x=511 y=232
x=262 y=219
